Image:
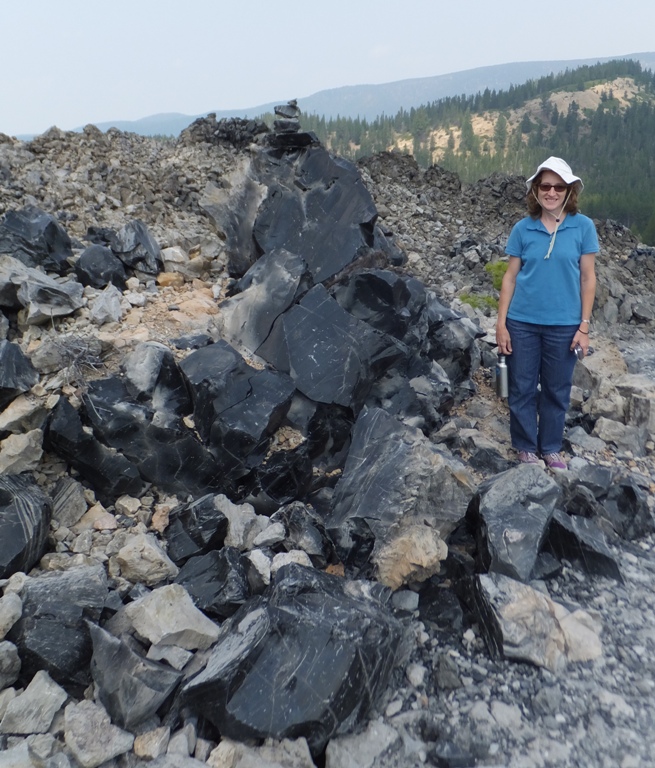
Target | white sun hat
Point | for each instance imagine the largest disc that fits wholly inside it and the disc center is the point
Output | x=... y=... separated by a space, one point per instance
x=558 y=166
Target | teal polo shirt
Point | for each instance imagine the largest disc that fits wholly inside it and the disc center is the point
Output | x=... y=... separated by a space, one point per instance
x=547 y=291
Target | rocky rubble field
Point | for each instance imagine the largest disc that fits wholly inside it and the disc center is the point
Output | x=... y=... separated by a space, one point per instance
x=568 y=682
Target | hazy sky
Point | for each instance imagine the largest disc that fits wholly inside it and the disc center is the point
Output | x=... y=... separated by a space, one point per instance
x=72 y=62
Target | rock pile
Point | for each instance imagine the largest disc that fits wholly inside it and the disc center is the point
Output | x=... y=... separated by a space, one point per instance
x=257 y=502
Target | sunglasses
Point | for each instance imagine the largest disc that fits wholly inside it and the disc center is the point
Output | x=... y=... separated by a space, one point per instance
x=556 y=187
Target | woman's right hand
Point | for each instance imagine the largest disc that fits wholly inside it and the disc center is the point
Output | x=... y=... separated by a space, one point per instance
x=503 y=340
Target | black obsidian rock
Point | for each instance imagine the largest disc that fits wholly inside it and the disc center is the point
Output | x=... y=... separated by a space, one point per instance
x=195 y=529
x=322 y=212
x=217 y=581
x=310 y=659
x=109 y=473
x=17 y=374
x=99 y=267
x=36 y=238
x=25 y=513
x=52 y=633
x=131 y=687
x=331 y=356
x=236 y=408
x=137 y=248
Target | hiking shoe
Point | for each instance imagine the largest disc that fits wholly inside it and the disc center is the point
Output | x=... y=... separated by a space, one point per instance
x=554 y=461
x=525 y=457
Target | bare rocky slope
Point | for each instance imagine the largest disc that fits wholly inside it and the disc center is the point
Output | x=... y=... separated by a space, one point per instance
x=450 y=703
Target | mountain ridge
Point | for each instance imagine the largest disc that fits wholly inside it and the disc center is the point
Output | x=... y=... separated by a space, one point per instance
x=372 y=100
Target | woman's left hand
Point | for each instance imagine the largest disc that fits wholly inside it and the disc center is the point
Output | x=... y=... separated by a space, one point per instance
x=582 y=340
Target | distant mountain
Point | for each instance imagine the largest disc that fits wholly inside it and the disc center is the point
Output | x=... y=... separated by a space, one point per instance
x=371 y=101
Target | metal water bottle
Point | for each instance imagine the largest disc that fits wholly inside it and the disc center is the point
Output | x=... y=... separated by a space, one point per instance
x=502 y=386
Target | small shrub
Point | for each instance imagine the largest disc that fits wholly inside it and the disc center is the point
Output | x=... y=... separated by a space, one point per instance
x=481 y=301
x=497 y=270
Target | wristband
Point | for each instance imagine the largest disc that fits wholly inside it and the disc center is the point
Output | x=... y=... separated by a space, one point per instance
x=586 y=333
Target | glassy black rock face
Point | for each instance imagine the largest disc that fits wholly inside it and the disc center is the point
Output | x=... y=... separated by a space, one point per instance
x=331 y=356
x=136 y=248
x=109 y=473
x=195 y=529
x=580 y=541
x=217 y=582
x=236 y=407
x=36 y=239
x=510 y=514
x=17 y=374
x=99 y=267
x=311 y=659
x=322 y=211
x=25 y=513
x=130 y=687
x=52 y=634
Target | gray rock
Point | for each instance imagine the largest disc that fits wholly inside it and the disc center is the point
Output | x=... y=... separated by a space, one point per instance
x=16 y=757
x=168 y=616
x=130 y=687
x=21 y=453
x=9 y=664
x=11 y=608
x=42 y=297
x=362 y=750
x=623 y=436
x=33 y=710
x=579 y=438
x=547 y=700
x=91 y=737
x=107 y=307
x=142 y=560
x=69 y=502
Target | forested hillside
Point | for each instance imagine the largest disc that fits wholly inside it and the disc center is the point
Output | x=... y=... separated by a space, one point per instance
x=600 y=118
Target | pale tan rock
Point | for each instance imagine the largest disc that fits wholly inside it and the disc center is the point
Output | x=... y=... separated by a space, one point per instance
x=89 y=518
x=286 y=753
x=415 y=555
x=91 y=737
x=24 y=413
x=168 y=616
x=21 y=453
x=127 y=505
x=142 y=560
x=152 y=744
x=170 y=279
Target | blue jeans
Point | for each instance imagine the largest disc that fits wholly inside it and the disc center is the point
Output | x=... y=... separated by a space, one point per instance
x=541 y=355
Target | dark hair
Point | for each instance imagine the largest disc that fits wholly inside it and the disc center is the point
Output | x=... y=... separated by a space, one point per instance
x=534 y=206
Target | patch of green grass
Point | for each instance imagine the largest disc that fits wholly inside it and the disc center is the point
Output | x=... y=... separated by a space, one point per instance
x=480 y=301
x=497 y=270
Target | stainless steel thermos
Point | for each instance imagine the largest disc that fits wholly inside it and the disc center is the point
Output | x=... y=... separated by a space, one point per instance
x=502 y=387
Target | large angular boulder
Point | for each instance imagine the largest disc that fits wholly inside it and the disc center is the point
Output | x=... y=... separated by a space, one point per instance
x=137 y=249
x=236 y=407
x=36 y=239
x=52 y=633
x=510 y=514
x=331 y=356
x=109 y=473
x=41 y=296
x=396 y=502
x=277 y=670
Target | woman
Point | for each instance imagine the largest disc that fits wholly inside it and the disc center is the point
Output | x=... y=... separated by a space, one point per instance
x=544 y=310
